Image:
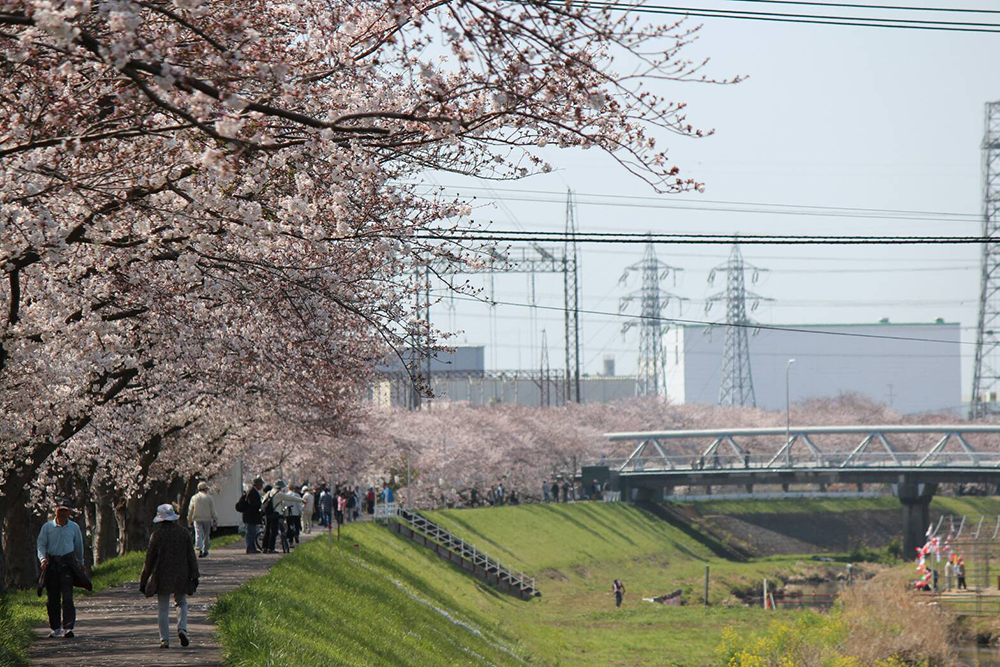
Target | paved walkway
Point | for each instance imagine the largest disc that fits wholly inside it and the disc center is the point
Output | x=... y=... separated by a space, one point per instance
x=117 y=627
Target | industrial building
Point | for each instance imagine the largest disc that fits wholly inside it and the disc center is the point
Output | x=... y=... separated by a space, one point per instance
x=913 y=368
x=461 y=375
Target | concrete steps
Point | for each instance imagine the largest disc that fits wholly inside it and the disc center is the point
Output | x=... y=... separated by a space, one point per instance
x=452 y=548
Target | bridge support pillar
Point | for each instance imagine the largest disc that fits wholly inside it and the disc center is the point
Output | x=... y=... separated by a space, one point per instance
x=916 y=499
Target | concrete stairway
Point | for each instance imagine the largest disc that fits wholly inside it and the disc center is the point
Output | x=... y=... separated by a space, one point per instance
x=452 y=548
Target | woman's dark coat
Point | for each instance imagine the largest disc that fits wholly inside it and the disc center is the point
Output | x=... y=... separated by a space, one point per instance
x=171 y=563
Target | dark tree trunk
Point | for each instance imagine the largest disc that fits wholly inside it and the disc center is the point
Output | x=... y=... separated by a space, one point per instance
x=186 y=490
x=20 y=533
x=135 y=519
x=105 y=525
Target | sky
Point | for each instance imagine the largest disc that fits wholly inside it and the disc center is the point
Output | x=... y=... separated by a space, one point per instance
x=829 y=117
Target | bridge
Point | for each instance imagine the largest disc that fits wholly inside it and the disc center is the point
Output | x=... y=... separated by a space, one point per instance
x=914 y=459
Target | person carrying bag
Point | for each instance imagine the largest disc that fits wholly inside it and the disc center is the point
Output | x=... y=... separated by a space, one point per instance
x=171 y=568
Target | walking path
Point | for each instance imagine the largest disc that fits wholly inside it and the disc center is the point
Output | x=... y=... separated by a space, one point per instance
x=117 y=627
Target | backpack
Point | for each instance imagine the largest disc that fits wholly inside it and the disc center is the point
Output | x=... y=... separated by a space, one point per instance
x=269 y=506
x=241 y=504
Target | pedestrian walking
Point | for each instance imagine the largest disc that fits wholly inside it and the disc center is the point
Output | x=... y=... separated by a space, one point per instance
x=308 y=509
x=201 y=514
x=60 y=552
x=565 y=490
x=618 y=588
x=293 y=516
x=325 y=507
x=341 y=506
x=273 y=506
x=960 y=574
x=250 y=506
x=546 y=491
x=388 y=497
x=171 y=568
x=370 y=500
x=351 y=507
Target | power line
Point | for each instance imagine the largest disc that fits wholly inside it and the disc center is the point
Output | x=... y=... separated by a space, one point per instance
x=777 y=17
x=763 y=327
x=696 y=239
x=875 y=7
x=638 y=201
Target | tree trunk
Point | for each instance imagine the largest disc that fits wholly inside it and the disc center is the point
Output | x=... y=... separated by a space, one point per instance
x=135 y=518
x=20 y=533
x=105 y=527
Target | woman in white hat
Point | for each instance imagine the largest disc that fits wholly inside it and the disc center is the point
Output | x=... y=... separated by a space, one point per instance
x=171 y=568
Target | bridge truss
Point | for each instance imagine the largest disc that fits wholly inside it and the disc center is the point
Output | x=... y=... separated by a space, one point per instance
x=870 y=446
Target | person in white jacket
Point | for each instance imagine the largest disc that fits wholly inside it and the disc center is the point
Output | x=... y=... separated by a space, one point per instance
x=309 y=506
x=278 y=499
x=201 y=513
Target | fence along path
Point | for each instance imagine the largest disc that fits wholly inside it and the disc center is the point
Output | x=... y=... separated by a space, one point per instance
x=468 y=556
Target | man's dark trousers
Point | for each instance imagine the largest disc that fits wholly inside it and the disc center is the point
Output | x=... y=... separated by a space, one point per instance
x=59 y=587
x=270 y=531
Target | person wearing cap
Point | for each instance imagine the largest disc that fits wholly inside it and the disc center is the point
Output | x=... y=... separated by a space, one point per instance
x=274 y=503
x=308 y=509
x=171 y=568
x=252 y=517
x=60 y=551
x=201 y=514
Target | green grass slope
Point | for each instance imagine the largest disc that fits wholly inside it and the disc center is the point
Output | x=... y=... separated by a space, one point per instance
x=385 y=602
x=391 y=601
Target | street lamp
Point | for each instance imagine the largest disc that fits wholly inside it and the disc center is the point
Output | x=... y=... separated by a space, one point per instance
x=788 y=412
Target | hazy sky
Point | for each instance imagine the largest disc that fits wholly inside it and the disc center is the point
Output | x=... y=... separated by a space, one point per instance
x=830 y=116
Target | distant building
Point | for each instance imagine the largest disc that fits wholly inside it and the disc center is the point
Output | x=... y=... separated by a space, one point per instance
x=460 y=376
x=879 y=361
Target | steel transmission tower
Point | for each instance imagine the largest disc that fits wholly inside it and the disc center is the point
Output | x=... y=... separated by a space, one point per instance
x=652 y=300
x=986 y=372
x=736 y=386
x=571 y=290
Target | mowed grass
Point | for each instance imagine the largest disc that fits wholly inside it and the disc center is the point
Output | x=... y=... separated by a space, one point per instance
x=384 y=601
x=964 y=505
x=21 y=611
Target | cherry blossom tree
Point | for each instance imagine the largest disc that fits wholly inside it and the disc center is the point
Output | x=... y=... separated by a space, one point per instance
x=221 y=199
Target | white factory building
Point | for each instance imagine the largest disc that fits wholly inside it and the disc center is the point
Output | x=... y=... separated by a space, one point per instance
x=913 y=368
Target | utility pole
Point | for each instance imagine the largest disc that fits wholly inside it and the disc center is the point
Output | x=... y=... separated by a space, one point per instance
x=652 y=299
x=544 y=370
x=571 y=292
x=736 y=386
x=986 y=369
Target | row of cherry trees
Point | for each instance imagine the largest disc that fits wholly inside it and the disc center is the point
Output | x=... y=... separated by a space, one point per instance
x=211 y=219
x=455 y=447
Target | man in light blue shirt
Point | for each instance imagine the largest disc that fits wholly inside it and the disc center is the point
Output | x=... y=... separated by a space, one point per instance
x=60 y=550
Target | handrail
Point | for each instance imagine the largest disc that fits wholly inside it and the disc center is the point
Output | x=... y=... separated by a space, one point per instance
x=457 y=545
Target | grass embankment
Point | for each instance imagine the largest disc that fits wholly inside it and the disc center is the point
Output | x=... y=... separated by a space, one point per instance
x=964 y=505
x=384 y=602
x=22 y=611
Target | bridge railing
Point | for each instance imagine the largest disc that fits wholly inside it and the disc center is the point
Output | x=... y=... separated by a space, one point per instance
x=827 y=460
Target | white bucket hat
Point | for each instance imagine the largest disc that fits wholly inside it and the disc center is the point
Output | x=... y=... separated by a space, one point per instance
x=165 y=512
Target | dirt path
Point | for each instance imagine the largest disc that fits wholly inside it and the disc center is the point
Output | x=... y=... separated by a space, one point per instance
x=117 y=627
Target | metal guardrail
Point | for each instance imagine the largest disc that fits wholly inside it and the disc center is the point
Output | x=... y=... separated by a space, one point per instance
x=969 y=605
x=652 y=451
x=456 y=545
x=831 y=460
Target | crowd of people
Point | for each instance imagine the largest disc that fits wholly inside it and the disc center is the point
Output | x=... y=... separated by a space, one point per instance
x=287 y=513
